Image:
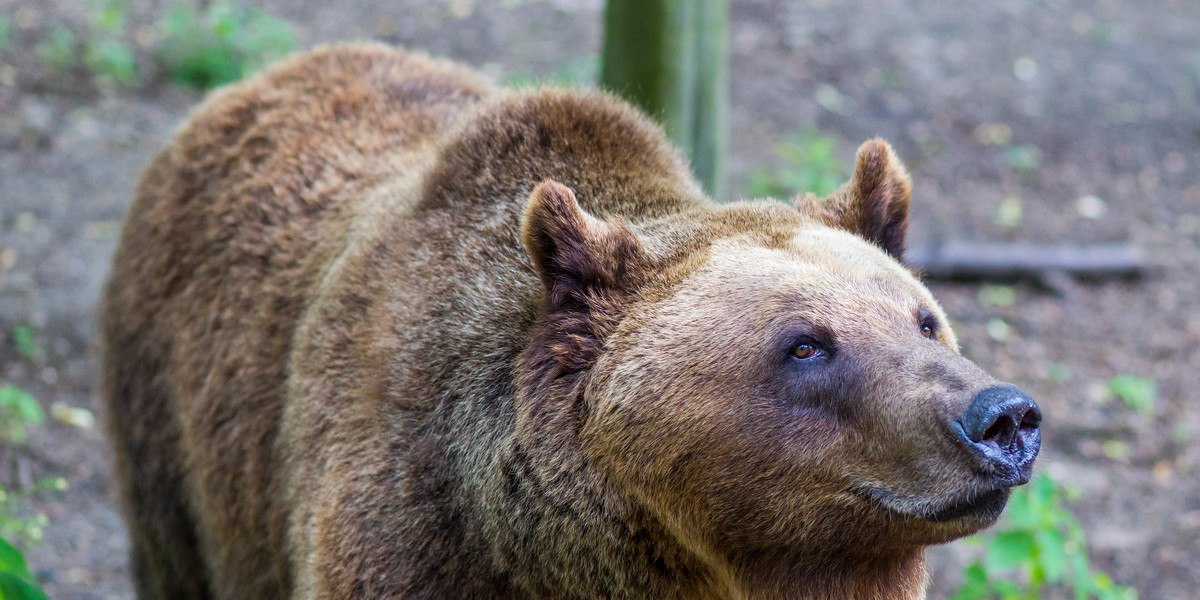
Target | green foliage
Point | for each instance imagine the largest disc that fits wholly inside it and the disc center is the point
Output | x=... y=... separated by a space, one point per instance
x=16 y=581
x=997 y=295
x=809 y=166
x=202 y=47
x=220 y=43
x=58 y=50
x=18 y=409
x=108 y=16
x=98 y=48
x=112 y=59
x=1137 y=392
x=15 y=524
x=1009 y=213
x=1040 y=544
x=1022 y=157
x=25 y=339
x=5 y=30
x=104 y=53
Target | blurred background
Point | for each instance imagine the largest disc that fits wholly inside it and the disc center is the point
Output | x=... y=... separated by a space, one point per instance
x=1057 y=122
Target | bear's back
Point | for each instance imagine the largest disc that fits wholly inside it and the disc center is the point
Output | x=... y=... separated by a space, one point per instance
x=314 y=311
x=211 y=275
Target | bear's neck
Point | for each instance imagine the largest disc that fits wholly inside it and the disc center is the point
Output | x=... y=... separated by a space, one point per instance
x=901 y=576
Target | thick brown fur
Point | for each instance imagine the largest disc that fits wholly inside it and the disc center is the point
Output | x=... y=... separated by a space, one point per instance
x=377 y=329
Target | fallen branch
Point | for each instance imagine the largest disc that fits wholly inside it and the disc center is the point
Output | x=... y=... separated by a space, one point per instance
x=1047 y=264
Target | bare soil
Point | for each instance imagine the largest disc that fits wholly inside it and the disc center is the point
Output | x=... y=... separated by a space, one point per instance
x=1102 y=98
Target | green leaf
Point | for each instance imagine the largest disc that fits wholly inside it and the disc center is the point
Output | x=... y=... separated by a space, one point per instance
x=1022 y=157
x=220 y=43
x=1083 y=576
x=113 y=59
x=1053 y=553
x=1011 y=591
x=5 y=29
x=1020 y=513
x=975 y=585
x=18 y=408
x=809 y=166
x=1009 y=549
x=16 y=582
x=13 y=587
x=58 y=52
x=11 y=559
x=23 y=336
x=997 y=295
x=1138 y=393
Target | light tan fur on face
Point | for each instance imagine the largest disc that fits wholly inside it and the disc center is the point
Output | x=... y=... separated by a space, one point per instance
x=696 y=364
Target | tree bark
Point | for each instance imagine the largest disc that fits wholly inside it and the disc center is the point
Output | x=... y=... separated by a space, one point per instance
x=671 y=58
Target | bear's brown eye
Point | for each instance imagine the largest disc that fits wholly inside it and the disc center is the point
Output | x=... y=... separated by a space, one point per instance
x=803 y=350
x=927 y=331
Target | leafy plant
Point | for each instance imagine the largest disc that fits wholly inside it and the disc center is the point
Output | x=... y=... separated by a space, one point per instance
x=16 y=522
x=98 y=48
x=1039 y=546
x=5 y=30
x=58 y=50
x=103 y=52
x=809 y=166
x=1138 y=393
x=16 y=581
x=220 y=43
x=18 y=410
x=25 y=339
x=997 y=295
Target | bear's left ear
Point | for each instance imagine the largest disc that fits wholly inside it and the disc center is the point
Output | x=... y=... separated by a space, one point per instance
x=874 y=203
x=578 y=256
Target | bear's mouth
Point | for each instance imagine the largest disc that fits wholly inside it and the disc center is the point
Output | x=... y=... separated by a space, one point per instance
x=985 y=506
x=976 y=505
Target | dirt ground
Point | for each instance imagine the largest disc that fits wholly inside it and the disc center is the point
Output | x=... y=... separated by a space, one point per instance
x=1044 y=101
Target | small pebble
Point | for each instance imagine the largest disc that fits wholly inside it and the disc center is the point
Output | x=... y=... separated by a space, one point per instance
x=998 y=330
x=1009 y=213
x=1090 y=207
x=1025 y=68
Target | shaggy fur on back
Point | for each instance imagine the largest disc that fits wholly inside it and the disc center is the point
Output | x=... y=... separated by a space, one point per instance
x=280 y=208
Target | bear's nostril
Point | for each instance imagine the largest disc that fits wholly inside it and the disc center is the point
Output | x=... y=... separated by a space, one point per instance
x=1000 y=415
x=1002 y=432
x=1031 y=420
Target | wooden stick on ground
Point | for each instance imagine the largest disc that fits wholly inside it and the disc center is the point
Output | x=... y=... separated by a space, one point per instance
x=1007 y=261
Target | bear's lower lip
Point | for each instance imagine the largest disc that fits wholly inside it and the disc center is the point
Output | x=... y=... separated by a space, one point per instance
x=979 y=506
x=987 y=505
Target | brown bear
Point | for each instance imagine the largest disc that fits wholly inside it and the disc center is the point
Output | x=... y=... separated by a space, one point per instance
x=378 y=329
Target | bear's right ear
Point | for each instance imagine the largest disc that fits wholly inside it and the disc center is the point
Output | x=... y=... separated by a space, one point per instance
x=578 y=256
x=873 y=204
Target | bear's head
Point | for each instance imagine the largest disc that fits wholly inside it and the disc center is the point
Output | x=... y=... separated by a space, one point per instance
x=769 y=381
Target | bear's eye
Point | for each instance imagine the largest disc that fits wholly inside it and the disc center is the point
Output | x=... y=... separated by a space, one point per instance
x=805 y=350
x=928 y=321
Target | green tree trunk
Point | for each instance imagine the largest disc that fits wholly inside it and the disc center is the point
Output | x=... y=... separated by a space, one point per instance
x=671 y=58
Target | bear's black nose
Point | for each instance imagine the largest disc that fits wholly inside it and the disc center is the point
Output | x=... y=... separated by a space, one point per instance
x=1002 y=424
